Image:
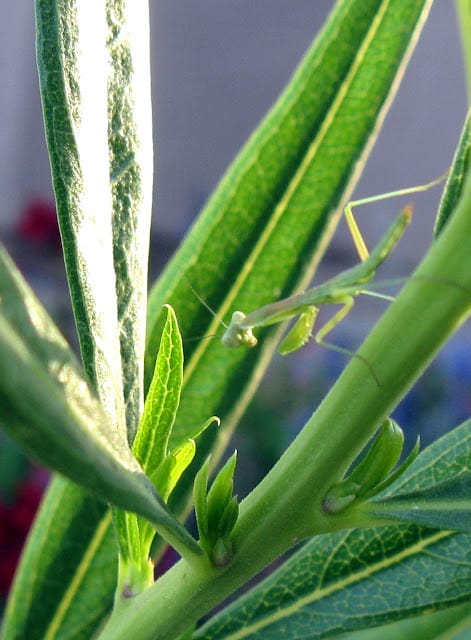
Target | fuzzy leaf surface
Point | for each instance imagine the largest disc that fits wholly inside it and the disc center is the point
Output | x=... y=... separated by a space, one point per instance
x=73 y=73
x=131 y=174
x=49 y=408
x=94 y=171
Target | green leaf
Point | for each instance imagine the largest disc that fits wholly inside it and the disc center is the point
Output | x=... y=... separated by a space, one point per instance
x=455 y=182
x=73 y=64
x=200 y=490
x=381 y=458
x=216 y=511
x=131 y=174
x=223 y=485
x=375 y=472
x=354 y=580
x=151 y=450
x=151 y=443
x=95 y=89
x=73 y=526
x=73 y=59
x=48 y=407
x=170 y=471
x=261 y=234
x=167 y=475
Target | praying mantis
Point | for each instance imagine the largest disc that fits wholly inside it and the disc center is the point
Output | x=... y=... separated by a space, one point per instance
x=341 y=289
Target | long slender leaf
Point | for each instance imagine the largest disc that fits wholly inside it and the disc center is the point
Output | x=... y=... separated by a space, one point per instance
x=60 y=44
x=131 y=172
x=454 y=186
x=73 y=72
x=163 y=398
x=151 y=450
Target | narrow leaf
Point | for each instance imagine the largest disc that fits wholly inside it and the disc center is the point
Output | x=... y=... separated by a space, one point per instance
x=200 y=490
x=454 y=185
x=73 y=66
x=73 y=71
x=150 y=448
x=131 y=173
x=163 y=398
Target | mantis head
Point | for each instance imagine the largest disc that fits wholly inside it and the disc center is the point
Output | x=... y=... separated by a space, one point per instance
x=236 y=335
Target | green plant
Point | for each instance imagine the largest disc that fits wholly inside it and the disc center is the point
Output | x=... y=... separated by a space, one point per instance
x=375 y=533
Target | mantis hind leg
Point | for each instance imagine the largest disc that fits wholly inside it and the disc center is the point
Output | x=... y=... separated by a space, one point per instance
x=348 y=303
x=352 y=223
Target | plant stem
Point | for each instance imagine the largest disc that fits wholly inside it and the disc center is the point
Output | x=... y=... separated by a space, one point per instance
x=287 y=505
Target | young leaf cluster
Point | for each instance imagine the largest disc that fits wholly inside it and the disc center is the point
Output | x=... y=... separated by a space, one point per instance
x=375 y=472
x=216 y=511
x=163 y=464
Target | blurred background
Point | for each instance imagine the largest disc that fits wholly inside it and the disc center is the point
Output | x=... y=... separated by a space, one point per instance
x=217 y=67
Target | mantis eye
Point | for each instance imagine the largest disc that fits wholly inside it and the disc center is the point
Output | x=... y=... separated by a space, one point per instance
x=247 y=338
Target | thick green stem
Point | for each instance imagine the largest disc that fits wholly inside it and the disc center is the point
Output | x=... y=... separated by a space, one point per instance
x=287 y=505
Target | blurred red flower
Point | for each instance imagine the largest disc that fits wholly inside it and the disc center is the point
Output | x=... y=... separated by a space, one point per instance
x=15 y=521
x=38 y=224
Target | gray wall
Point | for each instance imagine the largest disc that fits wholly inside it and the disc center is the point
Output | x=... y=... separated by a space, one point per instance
x=218 y=65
